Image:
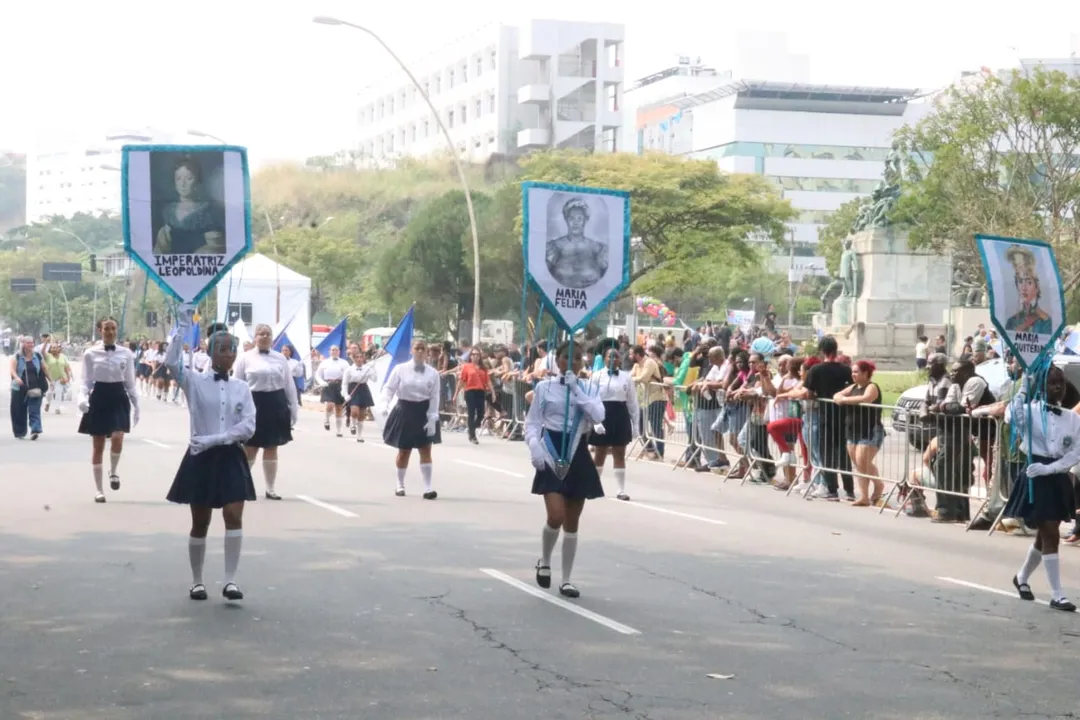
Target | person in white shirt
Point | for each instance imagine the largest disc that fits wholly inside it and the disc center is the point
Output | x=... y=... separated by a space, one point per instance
x=620 y=426
x=413 y=424
x=109 y=402
x=1051 y=434
x=144 y=359
x=561 y=413
x=214 y=473
x=296 y=368
x=200 y=361
x=357 y=377
x=273 y=391
x=330 y=375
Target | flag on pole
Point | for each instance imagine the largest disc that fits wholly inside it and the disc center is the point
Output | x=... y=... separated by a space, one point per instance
x=399 y=346
x=283 y=342
x=335 y=337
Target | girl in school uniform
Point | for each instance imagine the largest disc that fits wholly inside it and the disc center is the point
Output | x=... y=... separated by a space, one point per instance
x=330 y=375
x=359 y=399
x=413 y=424
x=562 y=405
x=109 y=402
x=621 y=412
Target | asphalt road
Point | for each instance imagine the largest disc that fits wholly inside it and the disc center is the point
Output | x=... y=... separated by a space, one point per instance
x=363 y=605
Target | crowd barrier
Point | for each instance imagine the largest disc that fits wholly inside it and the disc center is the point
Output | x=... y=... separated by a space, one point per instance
x=903 y=458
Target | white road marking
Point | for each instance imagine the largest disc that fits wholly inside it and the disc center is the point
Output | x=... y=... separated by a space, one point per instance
x=987 y=588
x=489 y=468
x=326 y=506
x=558 y=602
x=155 y=443
x=676 y=513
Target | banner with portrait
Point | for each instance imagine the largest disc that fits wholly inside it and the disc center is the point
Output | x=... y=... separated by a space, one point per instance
x=1026 y=302
x=576 y=245
x=186 y=214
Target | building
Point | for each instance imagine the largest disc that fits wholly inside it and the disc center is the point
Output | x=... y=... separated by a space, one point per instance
x=12 y=190
x=73 y=175
x=502 y=90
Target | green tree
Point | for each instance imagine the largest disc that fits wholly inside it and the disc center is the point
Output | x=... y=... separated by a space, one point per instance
x=688 y=219
x=831 y=235
x=1002 y=157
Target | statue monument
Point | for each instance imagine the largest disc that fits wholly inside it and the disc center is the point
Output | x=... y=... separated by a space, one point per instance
x=889 y=293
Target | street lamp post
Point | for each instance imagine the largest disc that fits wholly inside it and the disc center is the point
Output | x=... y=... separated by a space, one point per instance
x=324 y=20
x=93 y=319
x=269 y=226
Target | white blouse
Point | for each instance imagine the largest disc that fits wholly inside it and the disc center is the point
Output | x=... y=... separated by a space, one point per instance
x=296 y=368
x=1054 y=431
x=617 y=388
x=412 y=385
x=549 y=408
x=200 y=361
x=267 y=372
x=109 y=366
x=360 y=373
x=331 y=370
x=222 y=409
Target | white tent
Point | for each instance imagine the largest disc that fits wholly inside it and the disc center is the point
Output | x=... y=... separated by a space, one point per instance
x=255 y=283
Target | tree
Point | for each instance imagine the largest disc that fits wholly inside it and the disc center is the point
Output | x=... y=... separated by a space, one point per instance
x=831 y=235
x=688 y=219
x=1002 y=157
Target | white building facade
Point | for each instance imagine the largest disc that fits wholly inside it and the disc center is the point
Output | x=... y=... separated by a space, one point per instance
x=501 y=90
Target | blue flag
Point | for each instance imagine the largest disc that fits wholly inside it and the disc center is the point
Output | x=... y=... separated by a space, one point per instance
x=192 y=336
x=282 y=342
x=336 y=337
x=399 y=346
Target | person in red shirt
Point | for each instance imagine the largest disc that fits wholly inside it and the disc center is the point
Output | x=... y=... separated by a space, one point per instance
x=475 y=381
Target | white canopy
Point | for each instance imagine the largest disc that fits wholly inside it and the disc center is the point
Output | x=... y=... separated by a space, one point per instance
x=256 y=282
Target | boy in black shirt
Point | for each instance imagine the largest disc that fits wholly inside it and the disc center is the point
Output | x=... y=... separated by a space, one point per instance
x=823 y=381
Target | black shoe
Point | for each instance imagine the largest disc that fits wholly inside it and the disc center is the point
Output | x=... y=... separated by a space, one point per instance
x=543 y=574
x=568 y=590
x=474 y=441
x=114 y=482
x=35 y=436
x=981 y=523
x=232 y=592
x=623 y=496
x=430 y=495
x=271 y=495
x=352 y=429
x=197 y=592
x=400 y=492
x=326 y=426
x=1063 y=605
x=1023 y=588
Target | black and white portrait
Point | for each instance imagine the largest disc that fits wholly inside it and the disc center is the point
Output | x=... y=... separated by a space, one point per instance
x=574 y=257
x=577 y=247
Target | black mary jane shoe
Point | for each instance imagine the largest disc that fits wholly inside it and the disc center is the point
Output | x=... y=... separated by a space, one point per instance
x=623 y=496
x=1023 y=588
x=352 y=429
x=197 y=592
x=400 y=492
x=543 y=574
x=232 y=592
x=271 y=495
x=326 y=426
x=114 y=482
x=430 y=495
x=1062 y=605
x=568 y=590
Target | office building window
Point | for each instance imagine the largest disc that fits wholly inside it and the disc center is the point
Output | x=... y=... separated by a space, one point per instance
x=493 y=63
x=390 y=143
x=451 y=81
x=438 y=85
x=427 y=88
x=427 y=127
x=477 y=143
x=464 y=72
x=807 y=184
x=390 y=106
x=786 y=150
x=479 y=66
x=491 y=102
x=464 y=116
x=450 y=118
x=479 y=110
x=412 y=133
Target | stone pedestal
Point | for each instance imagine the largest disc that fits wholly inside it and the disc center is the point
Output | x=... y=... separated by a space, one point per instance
x=843 y=311
x=903 y=294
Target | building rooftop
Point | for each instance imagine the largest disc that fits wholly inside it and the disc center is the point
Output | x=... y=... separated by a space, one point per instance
x=798 y=91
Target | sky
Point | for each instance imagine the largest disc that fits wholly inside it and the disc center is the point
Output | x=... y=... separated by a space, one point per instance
x=259 y=73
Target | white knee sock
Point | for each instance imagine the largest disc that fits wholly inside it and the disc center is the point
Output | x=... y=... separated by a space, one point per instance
x=234 y=539
x=1052 y=565
x=97 y=476
x=114 y=462
x=196 y=550
x=548 y=537
x=359 y=428
x=569 y=550
x=328 y=414
x=270 y=473
x=620 y=479
x=401 y=478
x=1031 y=562
x=337 y=422
x=425 y=473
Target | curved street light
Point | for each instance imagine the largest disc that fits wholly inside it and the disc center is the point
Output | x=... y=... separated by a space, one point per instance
x=325 y=20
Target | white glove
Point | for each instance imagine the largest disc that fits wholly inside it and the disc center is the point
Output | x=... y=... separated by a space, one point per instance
x=201 y=443
x=84 y=406
x=570 y=380
x=599 y=429
x=537 y=457
x=135 y=416
x=432 y=423
x=1037 y=470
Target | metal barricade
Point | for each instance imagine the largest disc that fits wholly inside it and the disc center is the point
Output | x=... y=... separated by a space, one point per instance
x=663 y=427
x=453 y=413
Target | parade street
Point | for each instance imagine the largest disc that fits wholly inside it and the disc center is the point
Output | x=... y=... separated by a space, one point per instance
x=699 y=599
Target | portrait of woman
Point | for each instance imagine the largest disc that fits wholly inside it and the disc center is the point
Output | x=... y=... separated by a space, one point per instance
x=1030 y=318
x=189 y=221
x=574 y=259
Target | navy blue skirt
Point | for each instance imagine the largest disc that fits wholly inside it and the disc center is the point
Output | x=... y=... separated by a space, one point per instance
x=214 y=478
x=582 y=481
x=110 y=411
x=404 y=429
x=618 y=430
x=331 y=393
x=273 y=420
x=1051 y=498
x=360 y=395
